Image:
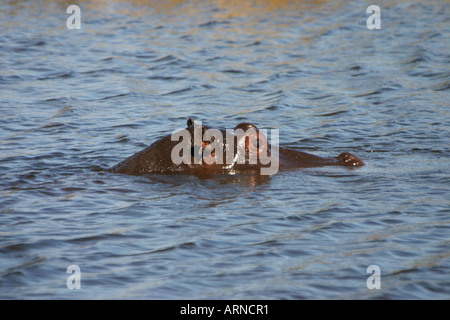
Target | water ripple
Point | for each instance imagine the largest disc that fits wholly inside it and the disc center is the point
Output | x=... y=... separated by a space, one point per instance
x=76 y=102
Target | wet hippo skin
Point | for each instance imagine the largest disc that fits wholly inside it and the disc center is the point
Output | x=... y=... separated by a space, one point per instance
x=158 y=157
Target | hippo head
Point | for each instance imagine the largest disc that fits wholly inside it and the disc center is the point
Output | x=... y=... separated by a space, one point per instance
x=243 y=148
x=201 y=149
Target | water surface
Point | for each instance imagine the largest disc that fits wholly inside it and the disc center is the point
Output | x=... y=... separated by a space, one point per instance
x=75 y=102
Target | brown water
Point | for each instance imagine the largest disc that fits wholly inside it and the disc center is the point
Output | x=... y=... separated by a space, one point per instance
x=75 y=102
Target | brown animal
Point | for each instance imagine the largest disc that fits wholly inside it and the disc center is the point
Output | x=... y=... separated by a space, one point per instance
x=244 y=149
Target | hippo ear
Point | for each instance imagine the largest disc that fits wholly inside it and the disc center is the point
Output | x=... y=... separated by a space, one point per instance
x=245 y=126
x=190 y=122
x=247 y=133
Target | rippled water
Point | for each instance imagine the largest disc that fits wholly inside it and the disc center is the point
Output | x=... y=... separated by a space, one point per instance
x=75 y=102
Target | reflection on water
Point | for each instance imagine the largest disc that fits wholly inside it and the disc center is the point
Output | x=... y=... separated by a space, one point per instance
x=75 y=102
x=246 y=180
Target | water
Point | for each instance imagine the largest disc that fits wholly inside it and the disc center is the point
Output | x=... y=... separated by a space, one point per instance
x=75 y=102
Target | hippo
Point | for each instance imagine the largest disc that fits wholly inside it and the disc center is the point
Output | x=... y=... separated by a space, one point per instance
x=202 y=149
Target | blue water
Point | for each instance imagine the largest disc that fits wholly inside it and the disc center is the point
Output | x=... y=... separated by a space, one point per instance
x=76 y=102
